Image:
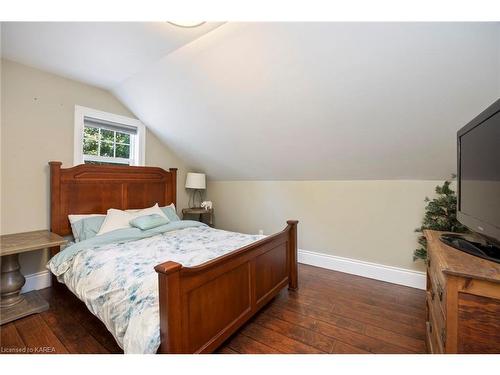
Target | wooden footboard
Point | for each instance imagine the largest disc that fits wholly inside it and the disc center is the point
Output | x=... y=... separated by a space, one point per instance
x=202 y=306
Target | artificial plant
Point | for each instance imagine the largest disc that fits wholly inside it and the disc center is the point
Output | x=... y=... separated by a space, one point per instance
x=441 y=215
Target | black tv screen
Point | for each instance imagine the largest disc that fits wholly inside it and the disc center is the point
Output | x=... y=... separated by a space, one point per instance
x=479 y=173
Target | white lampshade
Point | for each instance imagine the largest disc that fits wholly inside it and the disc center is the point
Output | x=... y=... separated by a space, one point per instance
x=195 y=181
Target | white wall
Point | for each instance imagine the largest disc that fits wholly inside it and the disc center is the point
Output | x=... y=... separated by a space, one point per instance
x=372 y=221
x=320 y=101
x=338 y=107
x=37 y=123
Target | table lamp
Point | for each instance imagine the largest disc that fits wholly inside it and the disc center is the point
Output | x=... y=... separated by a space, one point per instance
x=196 y=182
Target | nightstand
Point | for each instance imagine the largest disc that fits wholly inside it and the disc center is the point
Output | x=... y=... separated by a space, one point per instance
x=14 y=305
x=200 y=212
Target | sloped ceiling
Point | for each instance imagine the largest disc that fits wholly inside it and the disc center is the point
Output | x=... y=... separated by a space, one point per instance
x=320 y=100
x=314 y=100
x=102 y=54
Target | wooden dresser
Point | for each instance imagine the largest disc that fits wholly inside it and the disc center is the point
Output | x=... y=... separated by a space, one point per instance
x=463 y=300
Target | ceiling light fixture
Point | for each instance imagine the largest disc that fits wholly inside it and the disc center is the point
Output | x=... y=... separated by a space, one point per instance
x=187 y=24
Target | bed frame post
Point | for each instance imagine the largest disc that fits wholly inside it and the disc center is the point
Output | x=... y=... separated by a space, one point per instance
x=292 y=251
x=55 y=200
x=173 y=171
x=169 y=291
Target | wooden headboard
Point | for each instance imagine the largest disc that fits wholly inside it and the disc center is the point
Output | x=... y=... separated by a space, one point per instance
x=93 y=189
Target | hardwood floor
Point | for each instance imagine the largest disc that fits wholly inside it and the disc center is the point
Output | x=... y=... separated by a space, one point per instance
x=332 y=312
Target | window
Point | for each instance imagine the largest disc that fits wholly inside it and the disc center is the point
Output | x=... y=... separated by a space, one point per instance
x=106 y=138
x=103 y=143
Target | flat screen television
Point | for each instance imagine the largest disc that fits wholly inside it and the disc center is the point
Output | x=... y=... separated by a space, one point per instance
x=478 y=146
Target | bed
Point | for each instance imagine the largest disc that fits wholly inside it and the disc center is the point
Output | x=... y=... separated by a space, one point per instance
x=200 y=303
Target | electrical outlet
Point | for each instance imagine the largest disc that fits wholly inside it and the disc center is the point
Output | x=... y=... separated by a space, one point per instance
x=261 y=232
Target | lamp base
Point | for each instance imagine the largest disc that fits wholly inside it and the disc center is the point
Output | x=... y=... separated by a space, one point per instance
x=192 y=199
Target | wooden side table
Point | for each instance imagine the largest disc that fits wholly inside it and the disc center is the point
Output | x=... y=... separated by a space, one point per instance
x=200 y=212
x=14 y=305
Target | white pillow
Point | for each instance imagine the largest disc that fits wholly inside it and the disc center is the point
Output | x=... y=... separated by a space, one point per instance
x=118 y=219
x=138 y=209
x=75 y=218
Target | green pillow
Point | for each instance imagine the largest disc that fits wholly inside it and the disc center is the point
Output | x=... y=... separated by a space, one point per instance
x=87 y=228
x=149 y=221
x=170 y=213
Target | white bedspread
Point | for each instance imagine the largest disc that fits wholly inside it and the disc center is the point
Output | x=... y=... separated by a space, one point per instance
x=118 y=283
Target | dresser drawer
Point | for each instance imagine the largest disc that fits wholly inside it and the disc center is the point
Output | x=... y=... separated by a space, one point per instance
x=437 y=287
x=437 y=317
x=434 y=268
x=430 y=340
x=435 y=330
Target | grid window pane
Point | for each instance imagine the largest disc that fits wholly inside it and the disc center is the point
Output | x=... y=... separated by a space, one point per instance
x=91 y=133
x=107 y=135
x=122 y=138
x=104 y=162
x=90 y=147
x=106 y=146
x=122 y=151
x=107 y=149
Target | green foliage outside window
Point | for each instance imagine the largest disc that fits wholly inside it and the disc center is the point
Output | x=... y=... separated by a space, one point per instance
x=105 y=142
x=122 y=138
x=122 y=151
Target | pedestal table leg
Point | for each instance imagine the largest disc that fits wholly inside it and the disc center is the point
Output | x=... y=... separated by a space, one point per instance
x=11 y=281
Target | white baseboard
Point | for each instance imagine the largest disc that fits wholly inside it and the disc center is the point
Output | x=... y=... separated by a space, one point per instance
x=37 y=281
x=375 y=271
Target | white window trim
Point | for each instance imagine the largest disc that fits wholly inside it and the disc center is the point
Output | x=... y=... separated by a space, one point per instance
x=82 y=112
